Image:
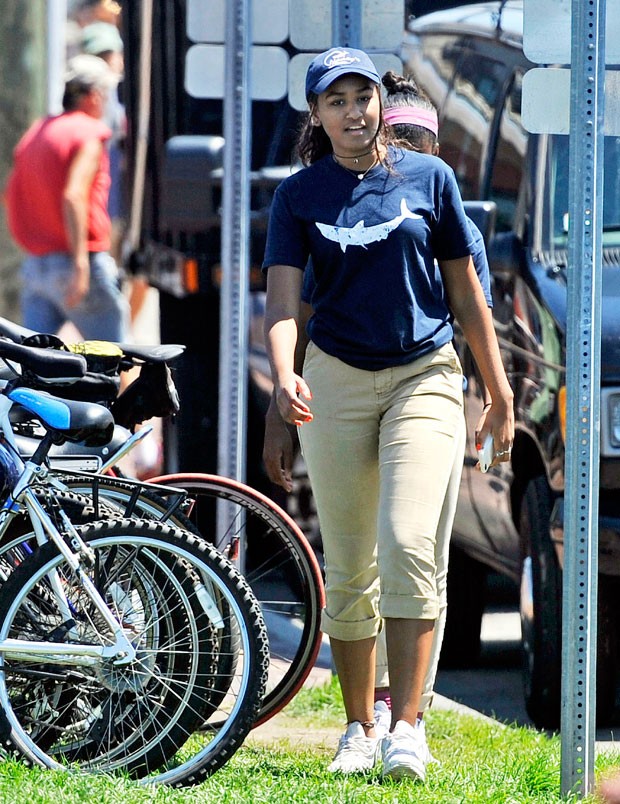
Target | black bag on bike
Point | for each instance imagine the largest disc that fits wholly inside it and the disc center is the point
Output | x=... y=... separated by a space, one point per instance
x=101 y=382
x=153 y=393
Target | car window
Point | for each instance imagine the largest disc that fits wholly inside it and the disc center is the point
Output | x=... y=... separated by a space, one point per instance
x=467 y=119
x=559 y=180
x=508 y=161
x=432 y=61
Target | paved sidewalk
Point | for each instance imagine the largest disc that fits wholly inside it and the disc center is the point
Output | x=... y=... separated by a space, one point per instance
x=285 y=727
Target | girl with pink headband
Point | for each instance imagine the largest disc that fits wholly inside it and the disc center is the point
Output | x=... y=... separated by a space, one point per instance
x=413 y=116
x=407 y=106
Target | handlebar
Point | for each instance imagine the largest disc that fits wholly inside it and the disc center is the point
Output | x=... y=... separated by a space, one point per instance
x=48 y=365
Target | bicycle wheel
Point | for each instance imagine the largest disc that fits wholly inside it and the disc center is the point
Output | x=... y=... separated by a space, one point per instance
x=280 y=568
x=181 y=604
x=86 y=498
x=18 y=539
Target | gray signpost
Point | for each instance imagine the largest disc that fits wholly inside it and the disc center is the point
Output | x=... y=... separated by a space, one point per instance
x=583 y=337
x=56 y=57
x=235 y=242
x=347 y=23
x=583 y=370
x=584 y=51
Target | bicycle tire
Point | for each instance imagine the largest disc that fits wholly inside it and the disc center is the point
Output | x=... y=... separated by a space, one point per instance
x=128 y=497
x=86 y=498
x=139 y=546
x=19 y=541
x=290 y=663
x=293 y=559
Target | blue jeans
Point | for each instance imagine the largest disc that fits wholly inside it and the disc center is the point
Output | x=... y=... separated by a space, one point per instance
x=102 y=315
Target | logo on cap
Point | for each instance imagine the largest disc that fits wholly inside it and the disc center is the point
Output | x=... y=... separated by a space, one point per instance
x=339 y=58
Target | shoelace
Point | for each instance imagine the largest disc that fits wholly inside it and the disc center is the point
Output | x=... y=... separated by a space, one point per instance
x=354 y=744
x=403 y=741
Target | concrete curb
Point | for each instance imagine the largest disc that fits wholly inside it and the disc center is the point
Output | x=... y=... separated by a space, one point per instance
x=442 y=703
x=319 y=676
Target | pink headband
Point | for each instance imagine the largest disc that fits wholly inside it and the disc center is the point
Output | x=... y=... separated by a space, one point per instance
x=413 y=115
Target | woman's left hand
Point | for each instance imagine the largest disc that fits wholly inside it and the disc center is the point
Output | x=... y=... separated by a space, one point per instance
x=498 y=420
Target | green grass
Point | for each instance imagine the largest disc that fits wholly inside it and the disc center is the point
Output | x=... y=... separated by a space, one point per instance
x=481 y=761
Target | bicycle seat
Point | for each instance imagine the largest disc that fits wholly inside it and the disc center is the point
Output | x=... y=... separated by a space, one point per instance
x=85 y=422
x=47 y=365
x=161 y=353
x=14 y=332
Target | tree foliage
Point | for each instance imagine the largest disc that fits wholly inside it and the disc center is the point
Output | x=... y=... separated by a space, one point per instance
x=22 y=99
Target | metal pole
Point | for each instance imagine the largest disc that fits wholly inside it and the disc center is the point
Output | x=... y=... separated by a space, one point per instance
x=234 y=292
x=347 y=23
x=583 y=338
x=134 y=228
x=56 y=55
x=234 y=301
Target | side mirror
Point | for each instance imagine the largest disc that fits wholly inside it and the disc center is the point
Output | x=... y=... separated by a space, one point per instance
x=191 y=182
x=484 y=215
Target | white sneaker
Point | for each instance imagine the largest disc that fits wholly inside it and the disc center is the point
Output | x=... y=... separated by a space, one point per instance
x=383 y=719
x=405 y=752
x=356 y=753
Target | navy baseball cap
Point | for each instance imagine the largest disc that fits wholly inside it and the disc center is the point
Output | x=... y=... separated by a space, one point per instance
x=327 y=67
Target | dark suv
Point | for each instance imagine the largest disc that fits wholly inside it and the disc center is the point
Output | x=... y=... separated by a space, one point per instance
x=470 y=60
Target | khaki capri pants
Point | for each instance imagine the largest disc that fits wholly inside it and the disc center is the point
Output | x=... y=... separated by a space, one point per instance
x=380 y=452
x=442 y=549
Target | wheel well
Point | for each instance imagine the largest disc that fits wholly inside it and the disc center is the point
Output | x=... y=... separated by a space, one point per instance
x=526 y=464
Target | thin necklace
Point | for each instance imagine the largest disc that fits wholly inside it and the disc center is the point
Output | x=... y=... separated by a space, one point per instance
x=356 y=158
x=359 y=176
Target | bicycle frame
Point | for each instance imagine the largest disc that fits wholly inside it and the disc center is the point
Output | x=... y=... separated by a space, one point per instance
x=20 y=498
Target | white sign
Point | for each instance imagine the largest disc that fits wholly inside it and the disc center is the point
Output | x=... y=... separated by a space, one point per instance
x=547 y=31
x=206 y=21
x=545 y=105
x=311 y=29
x=311 y=24
x=205 y=64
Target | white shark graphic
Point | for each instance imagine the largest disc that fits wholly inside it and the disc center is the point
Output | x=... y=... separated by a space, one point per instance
x=360 y=235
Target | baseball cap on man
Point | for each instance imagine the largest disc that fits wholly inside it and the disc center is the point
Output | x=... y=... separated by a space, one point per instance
x=101 y=37
x=327 y=67
x=89 y=72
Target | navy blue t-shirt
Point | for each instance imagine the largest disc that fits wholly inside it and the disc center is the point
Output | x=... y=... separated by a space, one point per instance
x=379 y=299
x=478 y=255
x=481 y=263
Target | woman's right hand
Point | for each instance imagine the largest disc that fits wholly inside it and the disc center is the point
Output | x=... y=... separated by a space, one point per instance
x=278 y=451
x=292 y=407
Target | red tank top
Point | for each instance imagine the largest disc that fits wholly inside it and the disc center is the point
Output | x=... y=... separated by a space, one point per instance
x=35 y=188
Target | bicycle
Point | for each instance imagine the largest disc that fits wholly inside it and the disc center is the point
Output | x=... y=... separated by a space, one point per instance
x=281 y=567
x=124 y=644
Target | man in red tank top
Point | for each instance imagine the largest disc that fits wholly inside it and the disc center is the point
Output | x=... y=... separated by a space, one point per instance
x=56 y=197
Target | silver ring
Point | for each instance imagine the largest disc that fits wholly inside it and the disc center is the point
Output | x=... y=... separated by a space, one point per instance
x=503 y=452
